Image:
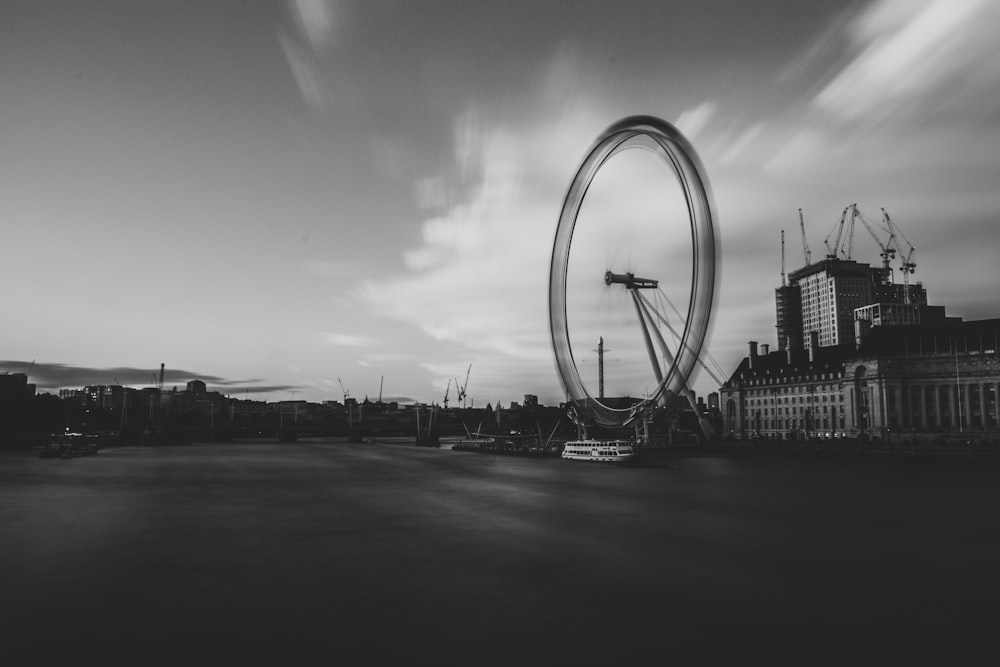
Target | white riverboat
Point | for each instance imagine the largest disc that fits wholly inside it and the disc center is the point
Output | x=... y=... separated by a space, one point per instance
x=609 y=451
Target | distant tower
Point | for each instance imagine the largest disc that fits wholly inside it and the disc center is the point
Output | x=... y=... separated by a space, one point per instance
x=600 y=368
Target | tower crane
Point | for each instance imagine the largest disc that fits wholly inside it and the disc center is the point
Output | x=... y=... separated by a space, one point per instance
x=350 y=412
x=831 y=251
x=907 y=263
x=850 y=233
x=461 y=390
x=783 y=282
x=446 y=390
x=887 y=251
x=805 y=244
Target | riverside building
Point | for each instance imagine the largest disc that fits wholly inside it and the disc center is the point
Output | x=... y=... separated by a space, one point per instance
x=917 y=381
x=859 y=356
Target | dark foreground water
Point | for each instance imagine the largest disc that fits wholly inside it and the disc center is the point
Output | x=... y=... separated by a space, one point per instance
x=320 y=553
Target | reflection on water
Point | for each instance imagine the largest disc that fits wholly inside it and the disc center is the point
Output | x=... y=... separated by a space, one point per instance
x=344 y=546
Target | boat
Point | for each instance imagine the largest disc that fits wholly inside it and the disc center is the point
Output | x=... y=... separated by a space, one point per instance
x=513 y=444
x=474 y=444
x=608 y=451
x=70 y=445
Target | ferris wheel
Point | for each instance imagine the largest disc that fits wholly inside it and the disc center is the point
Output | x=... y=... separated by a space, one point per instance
x=656 y=318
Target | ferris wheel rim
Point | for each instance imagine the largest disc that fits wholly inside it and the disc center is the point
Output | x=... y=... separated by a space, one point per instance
x=667 y=142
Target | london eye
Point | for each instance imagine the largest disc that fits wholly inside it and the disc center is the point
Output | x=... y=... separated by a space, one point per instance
x=660 y=289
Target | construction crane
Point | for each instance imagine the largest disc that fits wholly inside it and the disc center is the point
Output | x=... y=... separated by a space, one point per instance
x=343 y=391
x=907 y=263
x=850 y=233
x=461 y=390
x=887 y=251
x=447 y=389
x=832 y=251
x=805 y=244
x=783 y=281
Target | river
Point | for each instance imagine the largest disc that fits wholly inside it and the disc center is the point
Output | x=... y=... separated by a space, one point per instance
x=241 y=552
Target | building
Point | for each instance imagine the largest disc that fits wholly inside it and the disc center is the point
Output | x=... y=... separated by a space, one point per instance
x=15 y=387
x=887 y=314
x=787 y=394
x=823 y=297
x=920 y=381
x=862 y=356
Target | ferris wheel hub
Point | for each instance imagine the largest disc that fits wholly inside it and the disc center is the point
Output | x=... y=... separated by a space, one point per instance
x=629 y=280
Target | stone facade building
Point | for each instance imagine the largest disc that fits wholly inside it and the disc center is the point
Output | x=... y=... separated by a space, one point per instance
x=929 y=380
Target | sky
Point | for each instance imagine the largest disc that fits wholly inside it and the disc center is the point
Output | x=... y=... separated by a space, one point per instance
x=290 y=200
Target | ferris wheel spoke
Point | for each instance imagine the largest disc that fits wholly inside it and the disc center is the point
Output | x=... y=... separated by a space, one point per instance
x=699 y=357
x=644 y=325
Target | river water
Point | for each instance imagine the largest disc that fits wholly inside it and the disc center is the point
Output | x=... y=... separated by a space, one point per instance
x=247 y=552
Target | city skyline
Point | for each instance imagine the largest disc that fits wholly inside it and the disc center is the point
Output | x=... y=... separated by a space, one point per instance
x=277 y=197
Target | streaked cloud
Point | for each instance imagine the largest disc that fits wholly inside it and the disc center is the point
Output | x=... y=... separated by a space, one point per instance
x=477 y=279
x=737 y=148
x=307 y=73
x=346 y=340
x=915 y=57
x=342 y=268
x=694 y=121
x=315 y=21
x=52 y=376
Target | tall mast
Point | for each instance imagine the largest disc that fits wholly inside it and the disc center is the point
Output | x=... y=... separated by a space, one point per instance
x=600 y=367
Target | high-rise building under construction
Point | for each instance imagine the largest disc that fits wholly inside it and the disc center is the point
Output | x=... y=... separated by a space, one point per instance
x=823 y=297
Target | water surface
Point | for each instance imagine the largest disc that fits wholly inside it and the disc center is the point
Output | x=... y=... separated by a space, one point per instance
x=245 y=551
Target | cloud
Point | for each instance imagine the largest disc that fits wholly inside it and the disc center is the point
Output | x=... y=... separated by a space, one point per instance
x=333 y=269
x=58 y=376
x=477 y=279
x=915 y=58
x=307 y=73
x=694 y=121
x=432 y=192
x=255 y=389
x=315 y=21
x=742 y=144
x=346 y=340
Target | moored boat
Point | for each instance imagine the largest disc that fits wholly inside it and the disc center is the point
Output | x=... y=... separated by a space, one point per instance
x=70 y=445
x=607 y=451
